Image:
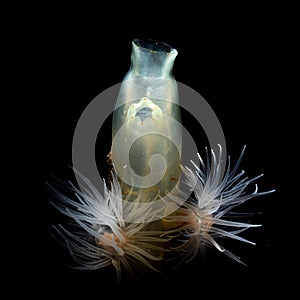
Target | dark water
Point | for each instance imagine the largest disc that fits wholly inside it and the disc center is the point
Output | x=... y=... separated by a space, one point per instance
x=231 y=72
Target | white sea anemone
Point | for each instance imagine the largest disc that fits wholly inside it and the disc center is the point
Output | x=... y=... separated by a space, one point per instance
x=200 y=221
x=103 y=237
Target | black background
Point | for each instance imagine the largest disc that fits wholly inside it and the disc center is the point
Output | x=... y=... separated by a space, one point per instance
x=237 y=63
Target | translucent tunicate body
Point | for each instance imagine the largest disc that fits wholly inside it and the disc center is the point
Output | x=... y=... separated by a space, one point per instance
x=146 y=135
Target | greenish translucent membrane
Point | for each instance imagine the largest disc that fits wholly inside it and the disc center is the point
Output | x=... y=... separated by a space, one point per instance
x=147 y=132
